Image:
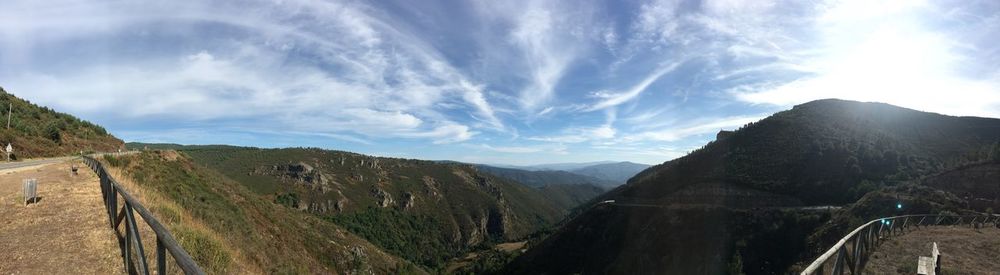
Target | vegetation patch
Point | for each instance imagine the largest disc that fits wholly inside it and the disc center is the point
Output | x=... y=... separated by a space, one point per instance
x=205 y=250
x=416 y=238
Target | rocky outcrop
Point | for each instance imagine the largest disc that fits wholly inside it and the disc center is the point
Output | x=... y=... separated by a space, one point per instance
x=300 y=173
x=409 y=200
x=383 y=198
x=431 y=187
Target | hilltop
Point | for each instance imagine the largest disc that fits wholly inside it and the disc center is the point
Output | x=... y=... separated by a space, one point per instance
x=37 y=131
x=737 y=204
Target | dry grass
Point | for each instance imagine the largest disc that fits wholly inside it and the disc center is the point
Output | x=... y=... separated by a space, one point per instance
x=188 y=231
x=964 y=250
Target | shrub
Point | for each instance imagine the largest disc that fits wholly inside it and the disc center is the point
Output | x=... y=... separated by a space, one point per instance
x=52 y=132
x=205 y=250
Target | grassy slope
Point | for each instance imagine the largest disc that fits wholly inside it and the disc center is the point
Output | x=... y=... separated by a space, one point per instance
x=464 y=214
x=229 y=229
x=37 y=131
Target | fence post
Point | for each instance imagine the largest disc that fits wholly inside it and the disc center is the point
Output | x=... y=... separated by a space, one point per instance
x=161 y=257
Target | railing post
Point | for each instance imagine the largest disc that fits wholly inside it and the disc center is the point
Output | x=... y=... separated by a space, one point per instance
x=128 y=247
x=140 y=252
x=161 y=257
x=838 y=264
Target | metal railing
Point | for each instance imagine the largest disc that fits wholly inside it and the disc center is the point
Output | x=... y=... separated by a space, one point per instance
x=133 y=253
x=851 y=253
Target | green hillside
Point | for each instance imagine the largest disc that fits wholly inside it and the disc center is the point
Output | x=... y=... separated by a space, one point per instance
x=229 y=229
x=726 y=207
x=37 y=131
x=424 y=211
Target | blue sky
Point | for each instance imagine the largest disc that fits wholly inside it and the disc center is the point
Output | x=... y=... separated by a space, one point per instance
x=515 y=82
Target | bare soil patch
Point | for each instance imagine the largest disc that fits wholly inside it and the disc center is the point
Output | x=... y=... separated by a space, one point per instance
x=964 y=250
x=65 y=232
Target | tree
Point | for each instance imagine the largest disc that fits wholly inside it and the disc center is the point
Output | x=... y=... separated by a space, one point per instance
x=53 y=132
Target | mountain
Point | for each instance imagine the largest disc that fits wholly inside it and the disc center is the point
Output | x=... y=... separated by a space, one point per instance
x=737 y=205
x=561 y=186
x=541 y=178
x=552 y=166
x=423 y=211
x=618 y=172
x=37 y=131
x=229 y=229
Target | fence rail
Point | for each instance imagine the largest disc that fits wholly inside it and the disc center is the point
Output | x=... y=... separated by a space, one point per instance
x=851 y=253
x=132 y=250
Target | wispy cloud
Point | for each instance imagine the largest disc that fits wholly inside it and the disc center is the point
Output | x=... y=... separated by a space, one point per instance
x=698 y=127
x=544 y=148
x=611 y=99
x=514 y=81
x=375 y=79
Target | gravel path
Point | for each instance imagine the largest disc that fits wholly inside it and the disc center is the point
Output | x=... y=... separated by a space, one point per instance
x=66 y=232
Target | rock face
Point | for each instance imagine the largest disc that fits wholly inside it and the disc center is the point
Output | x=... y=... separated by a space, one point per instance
x=304 y=175
x=383 y=198
x=488 y=217
x=409 y=200
x=300 y=172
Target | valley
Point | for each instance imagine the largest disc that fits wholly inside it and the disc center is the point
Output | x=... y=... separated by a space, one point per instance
x=763 y=199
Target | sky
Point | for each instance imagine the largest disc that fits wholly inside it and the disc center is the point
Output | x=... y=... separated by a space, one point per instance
x=504 y=82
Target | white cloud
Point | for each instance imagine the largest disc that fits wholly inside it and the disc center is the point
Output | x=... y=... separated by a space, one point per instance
x=697 y=127
x=546 y=38
x=884 y=53
x=448 y=133
x=545 y=148
x=611 y=99
x=371 y=77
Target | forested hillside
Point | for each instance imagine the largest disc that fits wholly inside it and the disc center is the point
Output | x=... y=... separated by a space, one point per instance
x=725 y=207
x=37 y=131
x=423 y=211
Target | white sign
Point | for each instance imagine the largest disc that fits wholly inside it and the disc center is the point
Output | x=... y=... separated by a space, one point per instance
x=9 y=148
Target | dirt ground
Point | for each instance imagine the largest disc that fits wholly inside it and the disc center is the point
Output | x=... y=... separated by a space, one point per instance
x=964 y=250
x=65 y=232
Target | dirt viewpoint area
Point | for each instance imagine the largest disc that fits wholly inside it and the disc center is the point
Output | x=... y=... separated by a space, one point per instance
x=65 y=232
x=964 y=250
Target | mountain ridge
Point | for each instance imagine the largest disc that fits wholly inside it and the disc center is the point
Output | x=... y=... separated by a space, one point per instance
x=817 y=153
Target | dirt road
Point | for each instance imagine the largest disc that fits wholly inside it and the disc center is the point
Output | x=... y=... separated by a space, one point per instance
x=66 y=232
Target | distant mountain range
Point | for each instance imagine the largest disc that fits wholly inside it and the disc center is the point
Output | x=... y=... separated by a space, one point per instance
x=606 y=174
x=618 y=172
x=553 y=166
x=541 y=178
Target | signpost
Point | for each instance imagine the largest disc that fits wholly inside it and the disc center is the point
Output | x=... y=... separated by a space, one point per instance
x=30 y=189
x=9 y=151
